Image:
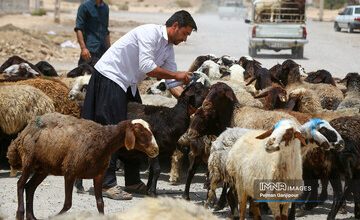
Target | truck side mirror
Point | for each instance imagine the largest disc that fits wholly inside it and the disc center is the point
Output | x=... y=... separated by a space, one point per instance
x=247 y=21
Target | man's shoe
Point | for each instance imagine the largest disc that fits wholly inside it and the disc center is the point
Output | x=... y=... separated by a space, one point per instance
x=139 y=188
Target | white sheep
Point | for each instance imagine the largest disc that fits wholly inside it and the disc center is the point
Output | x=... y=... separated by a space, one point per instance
x=211 y=69
x=266 y=155
x=218 y=156
x=77 y=91
x=164 y=208
x=19 y=104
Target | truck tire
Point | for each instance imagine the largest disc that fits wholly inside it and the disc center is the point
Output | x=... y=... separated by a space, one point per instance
x=351 y=29
x=252 y=51
x=336 y=27
x=297 y=52
x=300 y=52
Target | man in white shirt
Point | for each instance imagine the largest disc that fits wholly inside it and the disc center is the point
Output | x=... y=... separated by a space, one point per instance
x=144 y=51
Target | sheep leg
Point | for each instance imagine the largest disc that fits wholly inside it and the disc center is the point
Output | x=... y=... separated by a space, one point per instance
x=30 y=188
x=98 y=180
x=153 y=176
x=233 y=202
x=324 y=186
x=69 y=184
x=211 y=195
x=339 y=197
x=255 y=209
x=222 y=200
x=242 y=206
x=20 y=192
x=190 y=175
x=176 y=162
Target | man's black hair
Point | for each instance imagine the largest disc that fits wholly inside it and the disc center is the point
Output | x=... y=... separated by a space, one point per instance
x=183 y=18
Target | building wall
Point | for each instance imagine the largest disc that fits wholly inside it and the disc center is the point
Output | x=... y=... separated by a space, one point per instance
x=14 y=6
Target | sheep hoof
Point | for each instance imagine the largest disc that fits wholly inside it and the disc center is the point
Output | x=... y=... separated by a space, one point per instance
x=13 y=172
x=151 y=194
x=186 y=197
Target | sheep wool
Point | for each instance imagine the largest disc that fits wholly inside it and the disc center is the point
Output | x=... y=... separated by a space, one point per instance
x=19 y=104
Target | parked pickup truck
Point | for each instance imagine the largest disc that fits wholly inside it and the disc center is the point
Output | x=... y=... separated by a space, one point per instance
x=278 y=25
x=232 y=9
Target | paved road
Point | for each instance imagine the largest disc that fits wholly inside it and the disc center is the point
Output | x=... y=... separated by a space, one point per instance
x=336 y=52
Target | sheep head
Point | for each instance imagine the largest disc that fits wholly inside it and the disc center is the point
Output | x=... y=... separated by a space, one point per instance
x=215 y=113
x=323 y=134
x=138 y=136
x=283 y=131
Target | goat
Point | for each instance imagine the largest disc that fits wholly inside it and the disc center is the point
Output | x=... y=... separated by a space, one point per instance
x=50 y=145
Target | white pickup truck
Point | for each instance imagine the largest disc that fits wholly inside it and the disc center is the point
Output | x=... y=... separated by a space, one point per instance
x=278 y=25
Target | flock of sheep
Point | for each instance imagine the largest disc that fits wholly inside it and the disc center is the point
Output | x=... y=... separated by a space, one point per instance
x=245 y=122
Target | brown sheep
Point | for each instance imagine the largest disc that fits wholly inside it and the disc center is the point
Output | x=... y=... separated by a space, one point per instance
x=63 y=145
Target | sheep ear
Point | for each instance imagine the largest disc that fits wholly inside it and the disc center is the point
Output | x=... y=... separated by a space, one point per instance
x=252 y=79
x=291 y=103
x=265 y=134
x=129 y=139
x=299 y=136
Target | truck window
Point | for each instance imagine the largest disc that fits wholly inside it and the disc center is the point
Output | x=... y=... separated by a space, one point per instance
x=357 y=10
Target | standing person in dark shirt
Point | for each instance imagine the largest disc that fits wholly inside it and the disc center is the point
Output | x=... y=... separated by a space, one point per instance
x=92 y=31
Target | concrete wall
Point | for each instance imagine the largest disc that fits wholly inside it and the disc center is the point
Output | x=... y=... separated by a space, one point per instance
x=14 y=6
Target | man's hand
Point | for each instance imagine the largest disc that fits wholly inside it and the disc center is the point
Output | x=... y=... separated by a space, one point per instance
x=85 y=54
x=183 y=76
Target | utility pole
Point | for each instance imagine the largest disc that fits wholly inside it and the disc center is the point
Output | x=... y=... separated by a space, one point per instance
x=57 y=11
x=321 y=10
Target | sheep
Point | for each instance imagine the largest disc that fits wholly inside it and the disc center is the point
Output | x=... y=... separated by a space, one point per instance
x=199 y=151
x=168 y=124
x=81 y=70
x=304 y=100
x=199 y=61
x=330 y=96
x=46 y=68
x=211 y=69
x=217 y=161
x=237 y=73
x=77 y=91
x=352 y=98
x=56 y=90
x=320 y=76
x=158 y=100
x=50 y=145
x=277 y=158
x=349 y=128
x=164 y=208
x=18 y=105
x=274 y=97
x=20 y=70
x=17 y=60
x=250 y=65
x=159 y=87
x=221 y=109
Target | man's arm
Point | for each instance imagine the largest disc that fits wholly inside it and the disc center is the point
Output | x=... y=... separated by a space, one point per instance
x=85 y=53
x=161 y=73
x=107 y=41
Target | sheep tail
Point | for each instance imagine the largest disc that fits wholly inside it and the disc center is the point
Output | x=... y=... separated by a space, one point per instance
x=13 y=155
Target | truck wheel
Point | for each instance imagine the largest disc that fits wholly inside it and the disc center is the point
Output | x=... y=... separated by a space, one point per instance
x=252 y=51
x=297 y=52
x=300 y=52
x=351 y=29
x=336 y=27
